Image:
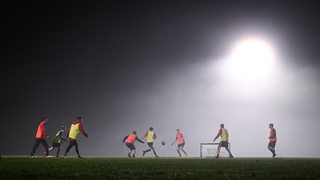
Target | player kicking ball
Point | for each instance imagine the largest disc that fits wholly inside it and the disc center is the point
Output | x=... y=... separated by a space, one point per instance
x=130 y=140
x=151 y=136
x=224 y=140
x=181 y=143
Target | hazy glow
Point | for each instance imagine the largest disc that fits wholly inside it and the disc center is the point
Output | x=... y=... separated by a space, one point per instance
x=250 y=59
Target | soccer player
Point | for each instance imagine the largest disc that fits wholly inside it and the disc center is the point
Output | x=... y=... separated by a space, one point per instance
x=181 y=143
x=151 y=136
x=40 y=137
x=73 y=133
x=272 y=140
x=57 y=141
x=130 y=139
x=224 y=140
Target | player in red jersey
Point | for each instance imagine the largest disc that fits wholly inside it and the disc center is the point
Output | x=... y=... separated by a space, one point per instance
x=272 y=140
x=40 y=137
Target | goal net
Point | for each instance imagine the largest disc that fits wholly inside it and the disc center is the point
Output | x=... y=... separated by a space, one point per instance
x=210 y=150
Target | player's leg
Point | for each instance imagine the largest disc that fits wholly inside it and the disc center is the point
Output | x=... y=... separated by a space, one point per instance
x=274 y=150
x=133 y=150
x=218 y=149
x=129 y=153
x=71 y=144
x=225 y=144
x=271 y=146
x=46 y=146
x=134 y=153
x=154 y=151
x=181 y=148
x=35 y=146
x=230 y=155
x=52 y=147
x=58 y=151
x=178 y=149
x=77 y=148
x=147 y=150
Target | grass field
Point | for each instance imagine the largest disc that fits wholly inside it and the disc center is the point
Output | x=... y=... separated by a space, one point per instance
x=23 y=167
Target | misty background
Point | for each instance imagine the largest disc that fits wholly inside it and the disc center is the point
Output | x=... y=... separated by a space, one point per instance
x=128 y=66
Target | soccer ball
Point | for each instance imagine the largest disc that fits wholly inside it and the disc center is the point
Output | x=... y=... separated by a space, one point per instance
x=163 y=143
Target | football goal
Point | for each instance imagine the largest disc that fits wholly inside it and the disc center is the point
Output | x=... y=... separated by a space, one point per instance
x=210 y=150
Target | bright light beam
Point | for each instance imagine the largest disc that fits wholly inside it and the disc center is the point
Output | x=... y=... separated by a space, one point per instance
x=251 y=59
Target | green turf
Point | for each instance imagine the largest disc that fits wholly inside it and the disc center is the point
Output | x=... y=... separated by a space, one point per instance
x=162 y=168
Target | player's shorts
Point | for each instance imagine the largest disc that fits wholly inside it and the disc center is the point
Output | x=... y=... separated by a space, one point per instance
x=272 y=144
x=56 y=145
x=181 y=145
x=224 y=144
x=130 y=146
x=150 y=144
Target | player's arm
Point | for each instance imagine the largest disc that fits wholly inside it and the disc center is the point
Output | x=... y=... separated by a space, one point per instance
x=139 y=140
x=219 y=133
x=68 y=132
x=43 y=130
x=145 y=135
x=174 y=141
x=154 y=136
x=124 y=139
x=82 y=130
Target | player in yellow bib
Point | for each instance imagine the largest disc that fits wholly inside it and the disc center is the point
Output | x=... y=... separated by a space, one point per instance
x=223 y=132
x=151 y=136
x=73 y=133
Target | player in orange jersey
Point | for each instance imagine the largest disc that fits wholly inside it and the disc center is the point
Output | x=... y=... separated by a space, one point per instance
x=130 y=140
x=181 y=143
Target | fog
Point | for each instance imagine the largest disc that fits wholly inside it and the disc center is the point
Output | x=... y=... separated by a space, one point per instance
x=165 y=66
x=197 y=98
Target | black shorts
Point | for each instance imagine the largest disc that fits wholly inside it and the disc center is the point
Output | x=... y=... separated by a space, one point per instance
x=272 y=144
x=130 y=146
x=181 y=145
x=224 y=144
x=56 y=145
x=150 y=144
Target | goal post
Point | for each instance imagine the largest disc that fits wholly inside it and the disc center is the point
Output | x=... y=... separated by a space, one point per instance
x=210 y=150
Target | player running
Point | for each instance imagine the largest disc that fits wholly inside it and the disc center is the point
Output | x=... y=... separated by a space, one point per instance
x=151 y=136
x=40 y=137
x=224 y=140
x=272 y=140
x=129 y=140
x=58 y=139
x=181 y=143
x=73 y=133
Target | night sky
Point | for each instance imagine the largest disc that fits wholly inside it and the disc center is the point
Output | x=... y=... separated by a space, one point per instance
x=129 y=65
